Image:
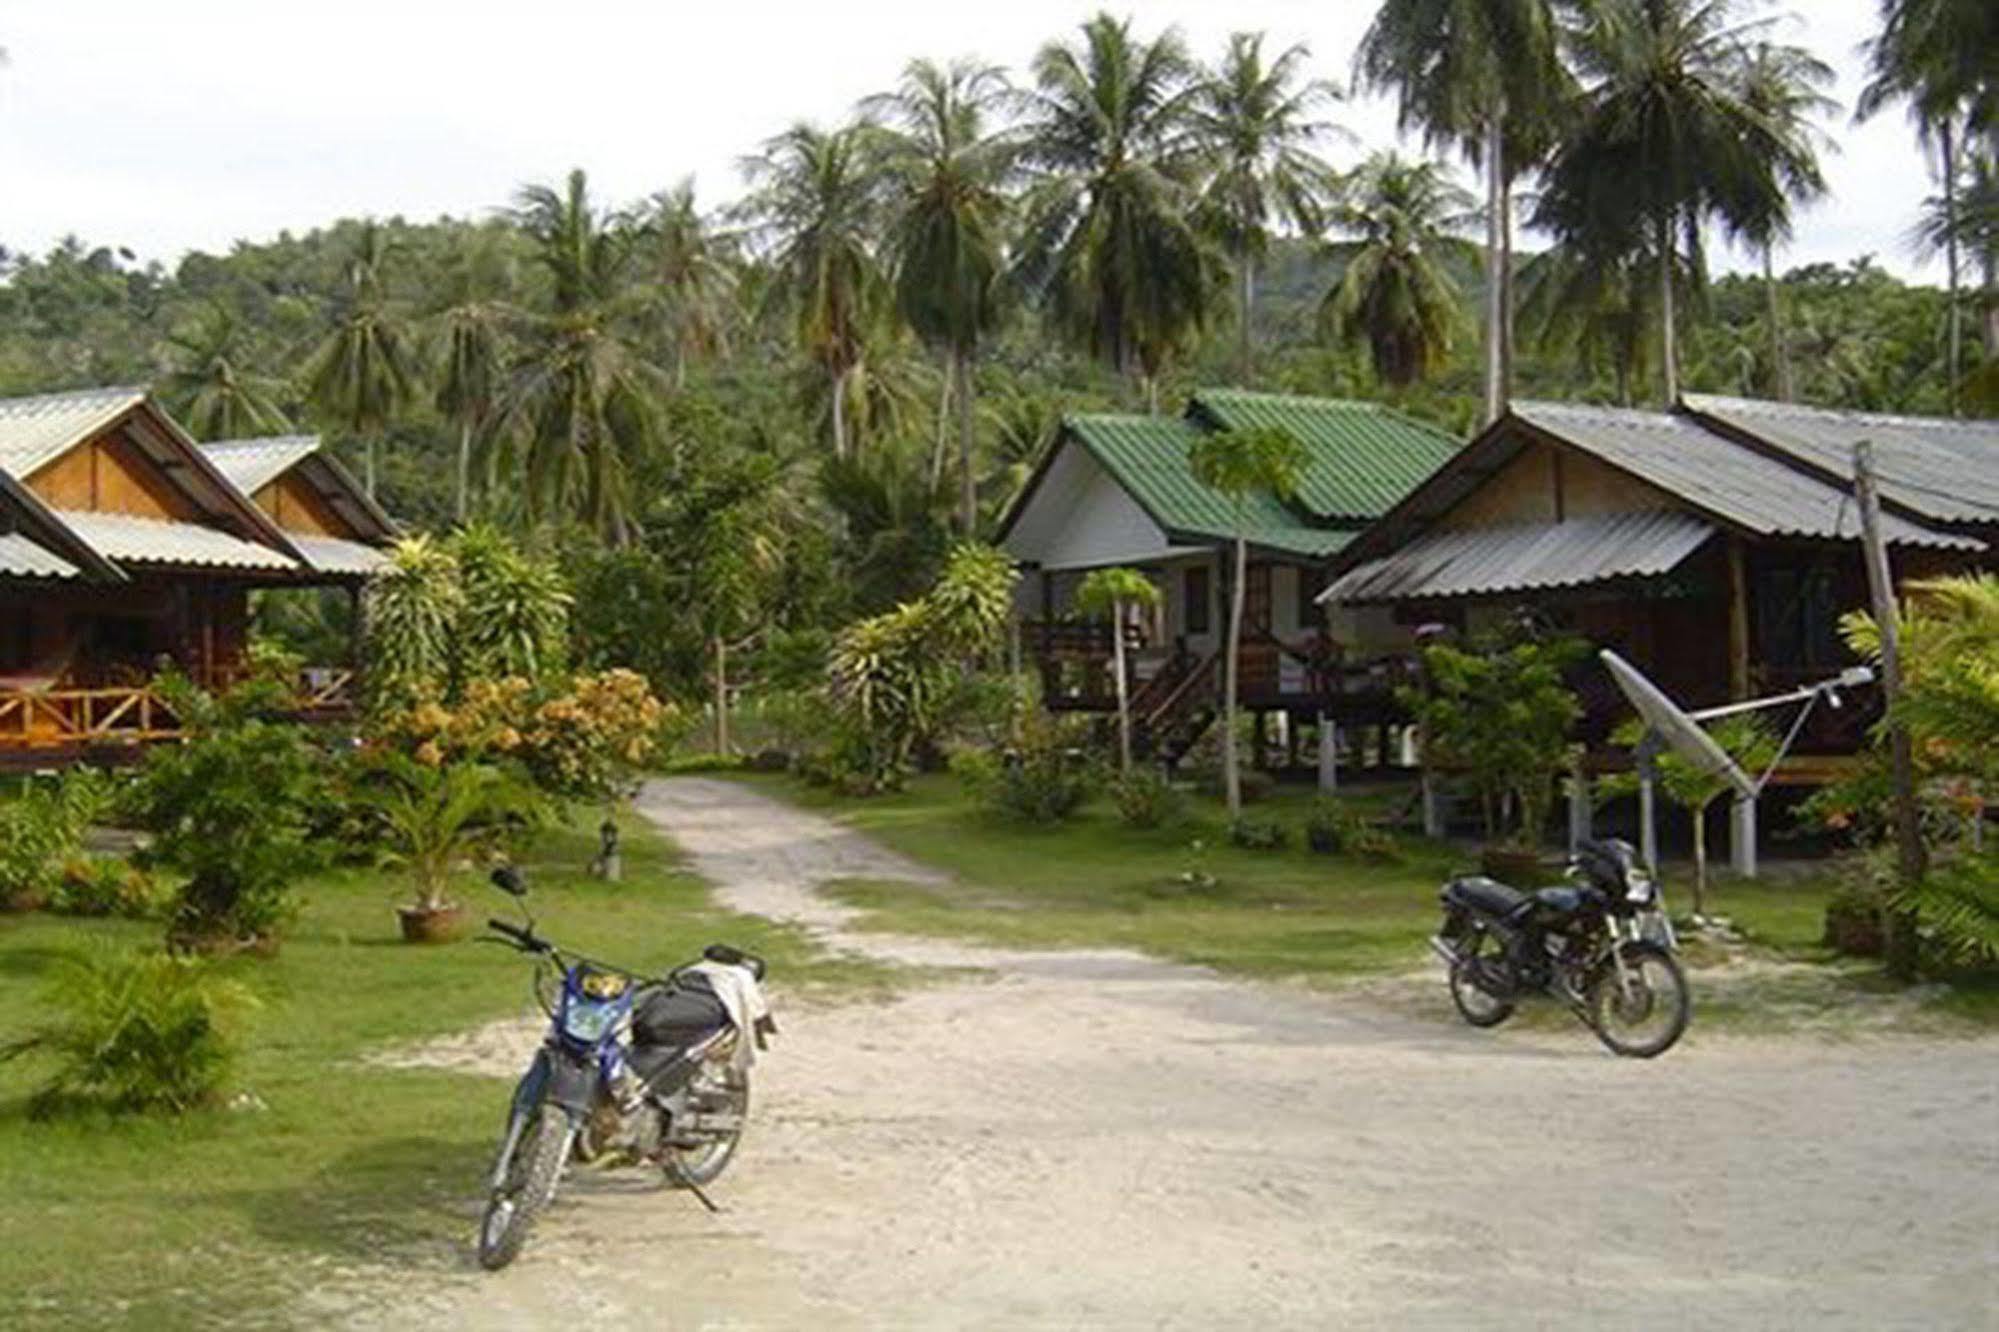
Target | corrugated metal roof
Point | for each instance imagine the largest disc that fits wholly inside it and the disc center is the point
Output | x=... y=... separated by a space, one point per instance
x=36 y=430
x=21 y=557
x=252 y=464
x=1151 y=457
x=1943 y=469
x=127 y=538
x=1364 y=456
x=1519 y=557
x=1685 y=458
x=335 y=556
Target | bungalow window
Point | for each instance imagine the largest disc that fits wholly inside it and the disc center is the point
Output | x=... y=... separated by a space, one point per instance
x=1308 y=599
x=1797 y=619
x=1194 y=590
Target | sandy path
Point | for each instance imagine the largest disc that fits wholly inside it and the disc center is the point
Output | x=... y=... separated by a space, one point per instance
x=1092 y=1139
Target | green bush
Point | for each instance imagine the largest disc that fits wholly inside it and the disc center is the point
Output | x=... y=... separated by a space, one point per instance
x=41 y=829
x=106 y=886
x=1145 y=799
x=1253 y=833
x=1337 y=828
x=134 y=1031
x=1043 y=778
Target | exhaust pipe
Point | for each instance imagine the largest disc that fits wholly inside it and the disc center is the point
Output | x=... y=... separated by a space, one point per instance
x=1443 y=949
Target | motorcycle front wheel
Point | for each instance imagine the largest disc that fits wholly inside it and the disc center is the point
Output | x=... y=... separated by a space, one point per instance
x=1477 y=1006
x=726 y=1092
x=530 y=1184
x=1644 y=1021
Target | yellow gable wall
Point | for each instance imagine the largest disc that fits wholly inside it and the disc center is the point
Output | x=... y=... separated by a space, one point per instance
x=296 y=507
x=110 y=474
x=1544 y=484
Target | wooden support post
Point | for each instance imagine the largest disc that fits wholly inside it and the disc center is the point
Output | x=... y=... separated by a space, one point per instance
x=1259 y=740
x=1329 y=754
x=1433 y=815
x=1738 y=622
x=1910 y=860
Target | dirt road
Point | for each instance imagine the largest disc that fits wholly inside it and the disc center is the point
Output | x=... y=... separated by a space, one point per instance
x=1097 y=1139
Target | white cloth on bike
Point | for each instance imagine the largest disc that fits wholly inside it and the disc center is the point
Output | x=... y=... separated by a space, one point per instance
x=739 y=992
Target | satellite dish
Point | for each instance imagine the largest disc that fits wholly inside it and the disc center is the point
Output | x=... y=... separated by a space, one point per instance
x=1672 y=725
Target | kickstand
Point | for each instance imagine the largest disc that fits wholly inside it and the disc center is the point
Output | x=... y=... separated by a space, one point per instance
x=695 y=1189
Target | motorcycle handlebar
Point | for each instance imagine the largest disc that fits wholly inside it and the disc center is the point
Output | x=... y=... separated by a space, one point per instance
x=524 y=938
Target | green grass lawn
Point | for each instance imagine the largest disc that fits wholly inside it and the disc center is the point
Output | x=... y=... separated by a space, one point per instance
x=159 y=1223
x=1321 y=920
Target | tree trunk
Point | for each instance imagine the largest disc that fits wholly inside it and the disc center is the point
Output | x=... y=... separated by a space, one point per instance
x=368 y=466
x=1505 y=290
x=1669 y=347
x=1700 y=861
x=1151 y=395
x=1245 y=301
x=1231 y=771
x=1780 y=359
x=721 y=696
x=1495 y=223
x=1123 y=693
x=840 y=413
x=968 y=479
x=1954 y=359
x=464 y=469
x=940 y=447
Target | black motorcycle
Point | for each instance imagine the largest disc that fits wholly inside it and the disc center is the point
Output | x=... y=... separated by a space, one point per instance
x=649 y=1070
x=1601 y=943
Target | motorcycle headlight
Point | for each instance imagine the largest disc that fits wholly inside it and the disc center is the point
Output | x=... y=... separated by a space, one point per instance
x=587 y=1020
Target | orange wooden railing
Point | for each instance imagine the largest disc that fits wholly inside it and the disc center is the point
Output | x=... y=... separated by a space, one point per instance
x=134 y=714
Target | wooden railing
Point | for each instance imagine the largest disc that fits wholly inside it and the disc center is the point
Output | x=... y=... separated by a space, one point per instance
x=83 y=719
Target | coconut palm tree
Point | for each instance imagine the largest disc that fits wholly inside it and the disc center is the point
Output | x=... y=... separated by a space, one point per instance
x=209 y=383
x=1395 y=291
x=580 y=401
x=1598 y=306
x=472 y=346
x=1256 y=123
x=690 y=266
x=1114 y=593
x=1108 y=241
x=947 y=242
x=1783 y=84
x=816 y=200
x=1486 y=77
x=364 y=372
x=1239 y=463
x=1665 y=141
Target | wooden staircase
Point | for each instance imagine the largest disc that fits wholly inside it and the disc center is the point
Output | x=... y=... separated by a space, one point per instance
x=1175 y=707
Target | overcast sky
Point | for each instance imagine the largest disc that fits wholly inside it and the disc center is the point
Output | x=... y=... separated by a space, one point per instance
x=170 y=125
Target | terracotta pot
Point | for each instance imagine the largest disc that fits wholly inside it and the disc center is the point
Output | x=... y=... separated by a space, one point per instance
x=430 y=924
x=1513 y=866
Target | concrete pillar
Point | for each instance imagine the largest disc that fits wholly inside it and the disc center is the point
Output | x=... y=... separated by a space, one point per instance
x=1579 y=803
x=1648 y=820
x=1742 y=837
x=1329 y=761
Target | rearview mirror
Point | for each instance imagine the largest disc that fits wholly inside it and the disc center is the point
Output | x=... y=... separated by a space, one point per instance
x=508 y=880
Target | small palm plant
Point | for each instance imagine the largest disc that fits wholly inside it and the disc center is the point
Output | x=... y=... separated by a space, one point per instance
x=435 y=817
x=1115 y=592
x=1238 y=464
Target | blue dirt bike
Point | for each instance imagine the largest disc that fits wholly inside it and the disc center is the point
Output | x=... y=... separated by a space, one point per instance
x=651 y=1069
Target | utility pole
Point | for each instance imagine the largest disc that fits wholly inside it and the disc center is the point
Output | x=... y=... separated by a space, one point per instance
x=1909 y=859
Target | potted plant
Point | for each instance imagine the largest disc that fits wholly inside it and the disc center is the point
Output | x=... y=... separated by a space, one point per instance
x=434 y=817
x=1500 y=713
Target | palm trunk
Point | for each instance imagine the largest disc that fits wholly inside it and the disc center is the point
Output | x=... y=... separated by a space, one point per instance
x=1780 y=360
x=721 y=696
x=1495 y=224
x=1954 y=361
x=1245 y=301
x=1231 y=772
x=1669 y=347
x=1123 y=693
x=464 y=469
x=1505 y=290
x=840 y=413
x=368 y=466
x=968 y=481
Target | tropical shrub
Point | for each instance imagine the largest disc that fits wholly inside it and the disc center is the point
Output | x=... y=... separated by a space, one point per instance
x=1146 y=799
x=415 y=609
x=230 y=809
x=41 y=829
x=435 y=816
x=1256 y=833
x=106 y=886
x=134 y=1031
x=1336 y=827
x=1043 y=778
x=514 y=617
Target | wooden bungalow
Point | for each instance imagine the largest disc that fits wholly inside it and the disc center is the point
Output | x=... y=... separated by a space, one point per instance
x=1120 y=490
x=1714 y=546
x=126 y=547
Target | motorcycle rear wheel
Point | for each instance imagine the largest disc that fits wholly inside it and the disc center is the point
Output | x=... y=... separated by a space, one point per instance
x=703 y=1165
x=531 y=1180
x=1475 y=1005
x=1647 y=1022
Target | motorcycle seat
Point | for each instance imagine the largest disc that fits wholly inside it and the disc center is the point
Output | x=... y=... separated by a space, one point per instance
x=679 y=1015
x=1476 y=892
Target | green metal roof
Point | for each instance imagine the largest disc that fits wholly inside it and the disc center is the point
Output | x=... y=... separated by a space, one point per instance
x=1364 y=456
x=1150 y=456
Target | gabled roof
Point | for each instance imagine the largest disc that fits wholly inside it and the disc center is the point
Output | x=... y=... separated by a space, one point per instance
x=253 y=464
x=1932 y=467
x=1363 y=456
x=130 y=539
x=22 y=557
x=39 y=429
